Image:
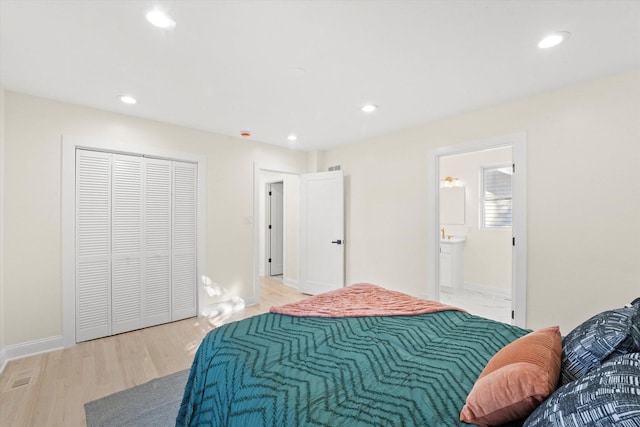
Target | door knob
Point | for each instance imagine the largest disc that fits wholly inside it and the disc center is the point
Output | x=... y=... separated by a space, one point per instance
x=339 y=242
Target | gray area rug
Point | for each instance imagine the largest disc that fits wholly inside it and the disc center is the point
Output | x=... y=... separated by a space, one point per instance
x=155 y=403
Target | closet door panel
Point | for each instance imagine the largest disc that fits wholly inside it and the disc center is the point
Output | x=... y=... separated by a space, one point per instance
x=127 y=222
x=157 y=270
x=93 y=245
x=184 y=281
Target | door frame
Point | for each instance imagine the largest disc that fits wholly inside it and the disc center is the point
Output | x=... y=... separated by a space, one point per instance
x=68 y=211
x=518 y=144
x=267 y=218
x=257 y=168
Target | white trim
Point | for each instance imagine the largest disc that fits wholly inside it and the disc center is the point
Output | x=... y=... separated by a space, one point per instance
x=291 y=283
x=256 y=222
x=518 y=142
x=285 y=219
x=519 y=229
x=3 y=359
x=69 y=146
x=30 y=348
x=250 y=301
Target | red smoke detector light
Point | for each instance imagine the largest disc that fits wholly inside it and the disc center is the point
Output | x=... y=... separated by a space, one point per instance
x=245 y=133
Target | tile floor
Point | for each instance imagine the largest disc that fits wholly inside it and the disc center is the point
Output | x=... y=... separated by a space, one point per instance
x=478 y=303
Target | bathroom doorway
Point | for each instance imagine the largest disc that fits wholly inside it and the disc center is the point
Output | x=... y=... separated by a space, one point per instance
x=475 y=232
x=478 y=246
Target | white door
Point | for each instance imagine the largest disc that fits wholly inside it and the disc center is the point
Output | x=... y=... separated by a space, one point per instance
x=274 y=228
x=184 y=241
x=136 y=221
x=321 y=232
x=127 y=226
x=93 y=245
x=157 y=242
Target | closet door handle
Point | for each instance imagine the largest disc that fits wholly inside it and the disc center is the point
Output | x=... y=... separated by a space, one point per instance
x=339 y=242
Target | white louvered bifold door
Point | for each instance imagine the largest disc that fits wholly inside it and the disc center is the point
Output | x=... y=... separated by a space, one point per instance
x=93 y=245
x=126 y=243
x=184 y=240
x=135 y=242
x=157 y=270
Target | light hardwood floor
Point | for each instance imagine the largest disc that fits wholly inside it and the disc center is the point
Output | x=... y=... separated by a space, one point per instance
x=59 y=383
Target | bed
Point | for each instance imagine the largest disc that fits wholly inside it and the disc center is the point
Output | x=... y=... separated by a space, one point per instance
x=326 y=363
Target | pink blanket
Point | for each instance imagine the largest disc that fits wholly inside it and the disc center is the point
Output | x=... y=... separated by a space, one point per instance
x=361 y=300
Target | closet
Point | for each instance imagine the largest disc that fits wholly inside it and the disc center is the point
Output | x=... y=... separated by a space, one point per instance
x=135 y=242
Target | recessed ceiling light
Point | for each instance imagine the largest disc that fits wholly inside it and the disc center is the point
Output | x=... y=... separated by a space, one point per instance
x=553 y=39
x=292 y=137
x=369 y=108
x=127 y=99
x=160 y=19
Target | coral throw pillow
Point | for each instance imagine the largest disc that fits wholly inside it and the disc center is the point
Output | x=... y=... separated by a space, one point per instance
x=516 y=380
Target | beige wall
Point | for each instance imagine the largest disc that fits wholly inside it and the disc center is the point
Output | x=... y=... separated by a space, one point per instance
x=583 y=159
x=31 y=308
x=583 y=199
x=487 y=252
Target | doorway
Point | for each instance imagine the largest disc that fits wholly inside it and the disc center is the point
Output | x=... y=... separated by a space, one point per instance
x=274 y=231
x=475 y=232
x=466 y=235
x=264 y=176
x=296 y=257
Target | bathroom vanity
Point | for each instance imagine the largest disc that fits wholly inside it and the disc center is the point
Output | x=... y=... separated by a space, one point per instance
x=452 y=262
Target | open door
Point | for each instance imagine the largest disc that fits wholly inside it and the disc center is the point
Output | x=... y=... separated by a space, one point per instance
x=321 y=232
x=274 y=230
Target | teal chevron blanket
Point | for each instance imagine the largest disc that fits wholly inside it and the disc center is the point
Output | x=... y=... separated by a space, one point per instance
x=277 y=370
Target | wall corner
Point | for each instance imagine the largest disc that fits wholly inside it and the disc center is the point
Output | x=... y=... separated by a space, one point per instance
x=315 y=161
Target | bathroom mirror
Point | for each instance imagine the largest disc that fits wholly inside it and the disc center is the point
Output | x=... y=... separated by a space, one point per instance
x=452 y=205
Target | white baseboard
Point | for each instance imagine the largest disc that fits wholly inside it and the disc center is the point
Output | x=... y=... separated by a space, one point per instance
x=30 y=348
x=447 y=289
x=285 y=281
x=291 y=283
x=500 y=293
x=3 y=359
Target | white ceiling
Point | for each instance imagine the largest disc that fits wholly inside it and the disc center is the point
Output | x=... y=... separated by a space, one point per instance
x=230 y=66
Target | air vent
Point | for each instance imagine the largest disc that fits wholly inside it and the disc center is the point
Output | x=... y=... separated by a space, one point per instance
x=20 y=382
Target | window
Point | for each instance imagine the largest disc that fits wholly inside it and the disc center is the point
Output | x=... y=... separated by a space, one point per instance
x=496 y=200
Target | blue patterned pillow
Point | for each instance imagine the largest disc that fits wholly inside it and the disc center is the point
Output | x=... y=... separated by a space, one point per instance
x=607 y=396
x=604 y=336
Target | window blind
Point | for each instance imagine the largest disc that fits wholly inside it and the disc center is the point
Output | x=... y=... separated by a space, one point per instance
x=497 y=197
